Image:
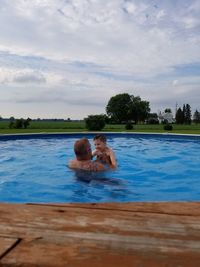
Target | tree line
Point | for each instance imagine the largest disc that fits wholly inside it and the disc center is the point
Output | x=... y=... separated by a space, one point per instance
x=128 y=109
x=125 y=109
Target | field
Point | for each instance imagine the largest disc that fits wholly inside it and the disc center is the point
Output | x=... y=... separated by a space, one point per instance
x=79 y=126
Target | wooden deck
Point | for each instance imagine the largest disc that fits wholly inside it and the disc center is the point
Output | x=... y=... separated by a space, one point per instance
x=98 y=235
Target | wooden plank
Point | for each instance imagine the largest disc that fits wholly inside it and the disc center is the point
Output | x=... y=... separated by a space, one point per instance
x=80 y=253
x=106 y=221
x=114 y=234
x=173 y=208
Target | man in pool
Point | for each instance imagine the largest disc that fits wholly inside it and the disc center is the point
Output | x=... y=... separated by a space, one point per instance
x=83 y=161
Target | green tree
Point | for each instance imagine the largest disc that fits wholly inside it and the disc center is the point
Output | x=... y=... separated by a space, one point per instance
x=139 y=109
x=179 y=116
x=118 y=108
x=184 y=112
x=11 y=125
x=188 y=114
x=124 y=107
x=19 y=123
x=12 y=118
x=168 y=110
x=196 y=116
x=26 y=123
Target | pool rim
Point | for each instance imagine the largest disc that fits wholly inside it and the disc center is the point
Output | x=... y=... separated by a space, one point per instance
x=44 y=135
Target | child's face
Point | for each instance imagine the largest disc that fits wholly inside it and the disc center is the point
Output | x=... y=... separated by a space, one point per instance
x=99 y=145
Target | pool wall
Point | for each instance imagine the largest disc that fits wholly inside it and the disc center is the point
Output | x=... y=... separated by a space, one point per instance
x=5 y=137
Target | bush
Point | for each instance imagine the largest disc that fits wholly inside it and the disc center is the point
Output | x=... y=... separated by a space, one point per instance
x=19 y=123
x=95 y=122
x=129 y=126
x=168 y=127
x=26 y=122
x=11 y=125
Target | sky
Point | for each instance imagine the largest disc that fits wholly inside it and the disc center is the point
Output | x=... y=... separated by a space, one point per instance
x=67 y=58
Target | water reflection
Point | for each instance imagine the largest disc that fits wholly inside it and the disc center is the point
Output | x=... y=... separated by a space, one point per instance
x=96 y=177
x=98 y=187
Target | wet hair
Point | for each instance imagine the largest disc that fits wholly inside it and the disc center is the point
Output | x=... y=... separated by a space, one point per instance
x=81 y=148
x=100 y=137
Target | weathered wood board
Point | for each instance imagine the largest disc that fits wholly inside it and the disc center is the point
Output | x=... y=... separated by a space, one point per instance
x=110 y=234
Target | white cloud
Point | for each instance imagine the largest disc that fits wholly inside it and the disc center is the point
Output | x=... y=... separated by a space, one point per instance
x=130 y=7
x=85 y=51
x=160 y=14
x=175 y=82
x=32 y=77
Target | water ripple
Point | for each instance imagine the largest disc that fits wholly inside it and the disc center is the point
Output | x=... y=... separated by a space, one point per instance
x=150 y=169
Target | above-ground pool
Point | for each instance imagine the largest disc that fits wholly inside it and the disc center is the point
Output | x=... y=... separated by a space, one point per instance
x=33 y=168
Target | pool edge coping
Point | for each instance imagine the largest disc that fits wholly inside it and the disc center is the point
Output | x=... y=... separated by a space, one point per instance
x=97 y=132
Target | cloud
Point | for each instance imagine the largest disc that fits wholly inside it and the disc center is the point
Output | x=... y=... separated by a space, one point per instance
x=13 y=75
x=93 y=49
x=175 y=82
x=33 y=77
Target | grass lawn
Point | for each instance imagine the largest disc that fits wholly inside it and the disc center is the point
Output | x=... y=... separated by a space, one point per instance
x=64 y=126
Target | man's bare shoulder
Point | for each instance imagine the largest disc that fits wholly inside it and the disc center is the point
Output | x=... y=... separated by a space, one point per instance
x=73 y=163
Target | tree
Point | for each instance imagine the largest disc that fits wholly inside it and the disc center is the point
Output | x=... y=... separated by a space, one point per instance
x=19 y=123
x=95 y=122
x=26 y=123
x=118 y=108
x=196 y=116
x=11 y=124
x=124 y=107
x=139 y=110
x=188 y=115
x=12 y=118
x=179 y=116
x=184 y=112
x=168 y=110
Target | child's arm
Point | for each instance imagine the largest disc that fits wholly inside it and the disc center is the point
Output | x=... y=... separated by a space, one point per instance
x=96 y=153
x=112 y=159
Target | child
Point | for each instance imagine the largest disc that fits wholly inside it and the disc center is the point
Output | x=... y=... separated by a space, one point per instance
x=103 y=152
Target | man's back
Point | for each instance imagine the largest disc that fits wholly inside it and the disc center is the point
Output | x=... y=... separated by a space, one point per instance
x=87 y=165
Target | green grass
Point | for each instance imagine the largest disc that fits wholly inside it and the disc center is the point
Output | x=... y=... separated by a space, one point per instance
x=57 y=126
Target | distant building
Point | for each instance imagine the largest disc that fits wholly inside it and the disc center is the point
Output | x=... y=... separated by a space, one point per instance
x=166 y=117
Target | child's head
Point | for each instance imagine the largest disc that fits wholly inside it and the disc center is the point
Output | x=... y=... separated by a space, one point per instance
x=99 y=141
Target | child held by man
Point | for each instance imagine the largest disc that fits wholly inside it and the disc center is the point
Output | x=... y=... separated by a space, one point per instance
x=102 y=152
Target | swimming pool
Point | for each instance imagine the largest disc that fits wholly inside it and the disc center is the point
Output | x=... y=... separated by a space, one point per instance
x=151 y=168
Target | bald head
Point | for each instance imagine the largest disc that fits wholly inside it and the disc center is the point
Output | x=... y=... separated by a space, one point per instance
x=82 y=149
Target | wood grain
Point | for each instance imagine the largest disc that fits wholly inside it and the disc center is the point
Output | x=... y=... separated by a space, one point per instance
x=110 y=234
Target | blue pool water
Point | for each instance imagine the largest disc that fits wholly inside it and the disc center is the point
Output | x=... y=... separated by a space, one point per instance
x=151 y=168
